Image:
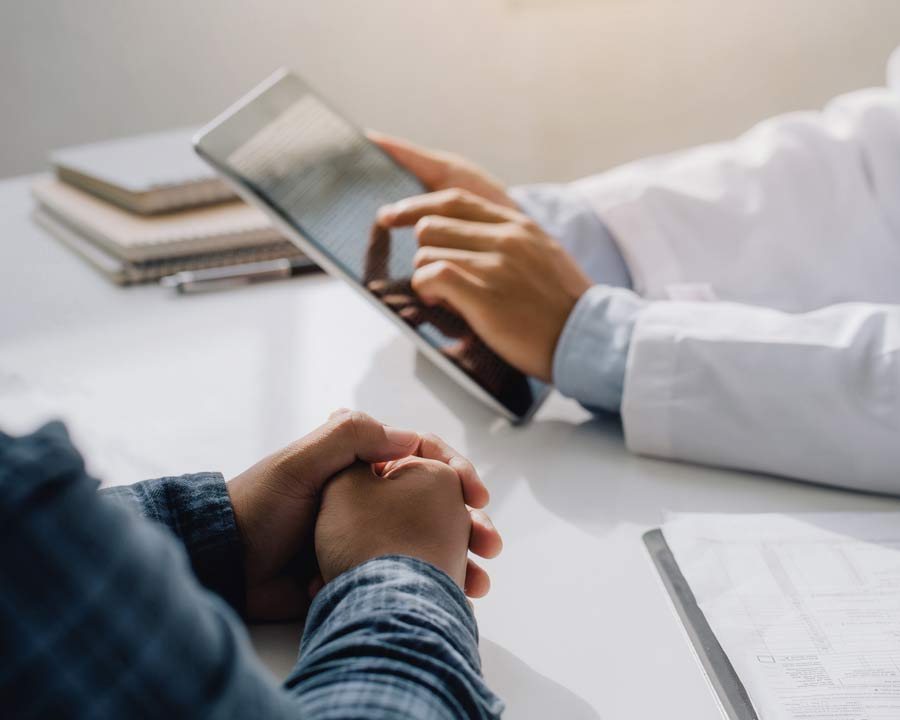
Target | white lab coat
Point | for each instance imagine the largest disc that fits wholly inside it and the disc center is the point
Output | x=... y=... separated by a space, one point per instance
x=790 y=362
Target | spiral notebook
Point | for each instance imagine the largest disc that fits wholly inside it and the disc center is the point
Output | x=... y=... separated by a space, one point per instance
x=129 y=248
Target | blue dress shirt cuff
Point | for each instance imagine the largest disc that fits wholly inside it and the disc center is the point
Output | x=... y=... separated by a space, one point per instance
x=567 y=217
x=592 y=351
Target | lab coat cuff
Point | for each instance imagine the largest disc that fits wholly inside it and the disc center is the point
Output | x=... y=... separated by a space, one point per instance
x=651 y=379
x=590 y=357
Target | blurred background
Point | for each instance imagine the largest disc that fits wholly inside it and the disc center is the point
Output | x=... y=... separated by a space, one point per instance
x=534 y=89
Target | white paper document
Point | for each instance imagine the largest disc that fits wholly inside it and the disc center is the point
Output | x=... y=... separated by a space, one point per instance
x=807 y=607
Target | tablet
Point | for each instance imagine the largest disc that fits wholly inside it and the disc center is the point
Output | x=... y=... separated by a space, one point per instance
x=287 y=151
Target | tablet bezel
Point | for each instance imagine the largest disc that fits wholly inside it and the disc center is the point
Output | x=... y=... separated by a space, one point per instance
x=217 y=140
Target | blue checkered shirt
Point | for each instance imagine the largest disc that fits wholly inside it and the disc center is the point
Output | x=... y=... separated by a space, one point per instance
x=104 y=614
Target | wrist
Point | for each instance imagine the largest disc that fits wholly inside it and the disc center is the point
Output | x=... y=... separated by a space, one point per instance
x=269 y=513
x=237 y=495
x=336 y=562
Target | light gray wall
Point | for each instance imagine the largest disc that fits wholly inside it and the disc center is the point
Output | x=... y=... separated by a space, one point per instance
x=535 y=89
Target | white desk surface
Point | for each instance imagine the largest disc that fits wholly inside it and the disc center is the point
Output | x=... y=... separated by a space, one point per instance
x=152 y=383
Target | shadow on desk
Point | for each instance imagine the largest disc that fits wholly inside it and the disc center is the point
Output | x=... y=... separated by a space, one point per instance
x=526 y=692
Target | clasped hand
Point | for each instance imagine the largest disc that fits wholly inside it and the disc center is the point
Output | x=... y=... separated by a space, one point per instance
x=352 y=490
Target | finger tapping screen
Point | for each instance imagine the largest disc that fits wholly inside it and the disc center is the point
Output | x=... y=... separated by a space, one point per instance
x=323 y=177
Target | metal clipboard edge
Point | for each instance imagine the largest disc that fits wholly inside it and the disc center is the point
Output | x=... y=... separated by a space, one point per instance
x=729 y=690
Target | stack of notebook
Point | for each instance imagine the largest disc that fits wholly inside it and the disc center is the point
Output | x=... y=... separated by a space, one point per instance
x=143 y=208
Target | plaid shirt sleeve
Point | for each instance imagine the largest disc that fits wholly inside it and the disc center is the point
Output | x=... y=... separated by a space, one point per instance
x=102 y=614
x=197 y=510
x=394 y=637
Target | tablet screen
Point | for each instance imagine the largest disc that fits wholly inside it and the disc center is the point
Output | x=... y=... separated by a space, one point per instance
x=327 y=180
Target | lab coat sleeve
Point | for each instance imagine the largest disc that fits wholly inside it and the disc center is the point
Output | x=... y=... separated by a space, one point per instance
x=812 y=396
x=799 y=213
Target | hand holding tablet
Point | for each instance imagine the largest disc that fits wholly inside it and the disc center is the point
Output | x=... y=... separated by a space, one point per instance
x=323 y=183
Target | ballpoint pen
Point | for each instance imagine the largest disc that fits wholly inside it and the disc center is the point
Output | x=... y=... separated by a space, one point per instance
x=224 y=277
